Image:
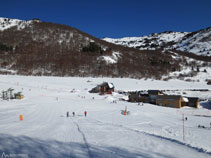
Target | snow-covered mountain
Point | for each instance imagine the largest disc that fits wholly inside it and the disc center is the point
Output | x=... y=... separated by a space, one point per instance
x=198 y=42
x=151 y=42
x=36 y=47
x=6 y=23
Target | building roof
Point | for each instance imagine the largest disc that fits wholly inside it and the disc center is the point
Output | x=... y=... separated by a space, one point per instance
x=193 y=99
x=110 y=85
x=169 y=97
x=153 y=92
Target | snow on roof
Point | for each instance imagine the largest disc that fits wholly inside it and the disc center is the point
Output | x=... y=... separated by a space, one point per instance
x=185 y=99
x=110 y=85
x=125 y=97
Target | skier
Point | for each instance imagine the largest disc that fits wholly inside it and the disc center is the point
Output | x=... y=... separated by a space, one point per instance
x=73 y=114
x=67 y=114
x=85 y=113
x=186 y=118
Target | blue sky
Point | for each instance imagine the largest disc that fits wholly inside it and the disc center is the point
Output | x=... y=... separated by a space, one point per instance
x=115 y=18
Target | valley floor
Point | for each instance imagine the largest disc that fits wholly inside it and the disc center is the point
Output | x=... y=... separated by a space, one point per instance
x=149 y=131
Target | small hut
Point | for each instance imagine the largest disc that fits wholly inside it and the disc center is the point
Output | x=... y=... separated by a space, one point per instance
x=103 y=88
x=190 y=101
x=193 y=102
x=19 y=95
x=139 y=97
x=134 y=97
x=174 y=101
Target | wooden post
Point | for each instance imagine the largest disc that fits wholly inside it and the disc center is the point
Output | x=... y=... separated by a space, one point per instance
x=183 y=127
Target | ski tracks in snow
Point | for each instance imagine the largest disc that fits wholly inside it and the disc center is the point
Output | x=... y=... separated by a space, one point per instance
x=84 y=139
x=153 y=136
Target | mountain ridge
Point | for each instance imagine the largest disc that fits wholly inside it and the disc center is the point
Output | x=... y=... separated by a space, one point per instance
x=36 y=47
x=182 y=41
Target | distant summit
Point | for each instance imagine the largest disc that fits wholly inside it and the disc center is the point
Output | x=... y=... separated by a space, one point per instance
x=6 y=23
x=198 y=42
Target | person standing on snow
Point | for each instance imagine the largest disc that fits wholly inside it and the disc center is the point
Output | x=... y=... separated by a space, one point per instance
x=67 y=114
x=73 y=114
x=85 y=113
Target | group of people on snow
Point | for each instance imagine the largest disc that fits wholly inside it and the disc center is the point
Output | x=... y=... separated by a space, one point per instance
x=73 y=113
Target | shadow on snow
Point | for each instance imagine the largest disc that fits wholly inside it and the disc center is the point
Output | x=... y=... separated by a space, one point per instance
x=206 y=105
x=33 y=148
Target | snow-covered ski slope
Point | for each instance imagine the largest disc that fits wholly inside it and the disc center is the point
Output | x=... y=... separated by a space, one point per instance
x=149 y=131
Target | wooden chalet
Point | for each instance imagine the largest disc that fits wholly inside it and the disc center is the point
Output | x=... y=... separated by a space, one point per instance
x=104 y=88
x=138 y=97
x=174 y=101
x=153 y=95
x=158 y=98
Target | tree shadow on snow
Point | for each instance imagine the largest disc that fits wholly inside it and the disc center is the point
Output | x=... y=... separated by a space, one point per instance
x=27 y=147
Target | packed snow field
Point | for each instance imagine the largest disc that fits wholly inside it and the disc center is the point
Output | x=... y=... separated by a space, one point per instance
x=149 y=131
